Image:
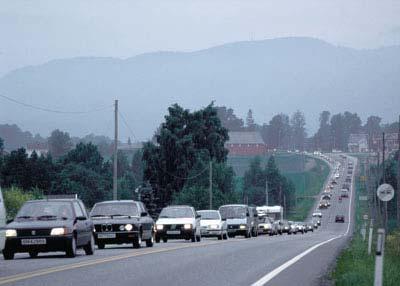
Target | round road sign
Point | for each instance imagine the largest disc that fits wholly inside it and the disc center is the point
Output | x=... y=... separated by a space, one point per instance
x=385 y=192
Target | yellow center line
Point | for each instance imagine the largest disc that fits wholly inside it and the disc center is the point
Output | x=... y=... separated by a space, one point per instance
x=41 y=272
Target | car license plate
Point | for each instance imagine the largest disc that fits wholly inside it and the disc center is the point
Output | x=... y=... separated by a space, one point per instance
x=106 y=235
x=173 y=232
x=33 y=241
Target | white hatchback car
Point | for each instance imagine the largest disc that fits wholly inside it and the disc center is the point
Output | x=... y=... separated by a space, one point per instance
x=212 y=225
x=178 y=222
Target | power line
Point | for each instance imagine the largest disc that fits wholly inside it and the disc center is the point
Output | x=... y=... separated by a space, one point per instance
x=52 y=110
x=127 y=125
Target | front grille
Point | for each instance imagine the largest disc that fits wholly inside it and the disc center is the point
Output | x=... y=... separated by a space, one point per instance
x=233 y=226
x=33 y=232
x=108 y=227
x=173 y=226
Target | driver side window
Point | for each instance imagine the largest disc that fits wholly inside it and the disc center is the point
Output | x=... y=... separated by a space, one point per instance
x=77 y=209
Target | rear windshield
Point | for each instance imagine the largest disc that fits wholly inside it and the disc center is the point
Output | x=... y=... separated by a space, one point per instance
x=115 y=209
x=209 y=215
x=176 y=212
x=229 y=212
x=46 y=210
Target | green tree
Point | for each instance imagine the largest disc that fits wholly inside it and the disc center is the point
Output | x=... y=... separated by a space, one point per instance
x=229 y=120
x=185 y=137
x=15 y=197
x=250 y=124
x=298 y=125
x=138 y=166
x=59 y=143
x=323 y=135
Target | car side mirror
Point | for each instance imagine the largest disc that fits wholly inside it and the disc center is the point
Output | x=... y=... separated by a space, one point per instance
x=223 y=219
x=256 y=215
x=247 y=214
x=143 y=214
x=9 y=221
x=81 y=218
x=198 y=216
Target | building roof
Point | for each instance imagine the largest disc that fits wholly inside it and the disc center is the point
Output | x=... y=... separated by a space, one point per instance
x=245 y=137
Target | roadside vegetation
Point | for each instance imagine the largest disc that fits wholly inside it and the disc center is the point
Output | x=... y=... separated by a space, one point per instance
x=354 y=266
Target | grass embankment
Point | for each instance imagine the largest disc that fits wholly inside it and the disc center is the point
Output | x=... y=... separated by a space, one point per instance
x=354 y=266
x=307 y=173
x=308 y=185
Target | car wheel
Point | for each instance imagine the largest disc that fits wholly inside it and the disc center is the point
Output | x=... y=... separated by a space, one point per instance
x=137 y=241
x=89 y=248
x=8 y=255
x=100 y=245
x=220 y=237
x=158 y=239
x=198 y=238
x=165 y=239
x=71 y=248
x=225 y=236
x=248 y=234
x=150 y=242
x=193 y=237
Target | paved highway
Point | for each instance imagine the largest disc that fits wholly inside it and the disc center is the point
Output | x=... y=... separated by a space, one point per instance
x=278 y=260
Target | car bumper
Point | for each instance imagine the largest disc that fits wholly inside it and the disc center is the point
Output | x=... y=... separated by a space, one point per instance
x=175 y=234
x=211 y=232
x=264 y=230
x=52 y=243
x=115 y=237
x=238 y=231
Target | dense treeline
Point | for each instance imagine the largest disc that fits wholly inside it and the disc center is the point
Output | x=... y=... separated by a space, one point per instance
x=289 y=132
x=281 y=191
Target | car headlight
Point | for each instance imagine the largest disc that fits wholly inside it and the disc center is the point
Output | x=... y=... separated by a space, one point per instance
x=11 y=233
x=159 y=226
x=187 y=226
x=58 y=231
x=128 y=227
x=242 y=226
x=214 y=226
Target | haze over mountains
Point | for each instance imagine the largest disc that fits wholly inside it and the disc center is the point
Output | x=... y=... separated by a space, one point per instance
x=270 y=76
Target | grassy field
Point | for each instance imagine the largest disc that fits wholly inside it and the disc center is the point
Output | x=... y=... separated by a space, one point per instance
x=307 y=174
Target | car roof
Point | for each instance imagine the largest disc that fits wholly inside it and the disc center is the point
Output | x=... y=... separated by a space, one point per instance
x=178 y=206
x=234 y=205
x=208 y=211
x=117 y=201
x=54 y=200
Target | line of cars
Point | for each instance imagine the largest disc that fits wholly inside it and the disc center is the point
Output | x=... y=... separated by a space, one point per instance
x=63 y=224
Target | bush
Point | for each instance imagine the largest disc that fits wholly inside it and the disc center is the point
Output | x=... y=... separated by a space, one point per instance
x=14 y=198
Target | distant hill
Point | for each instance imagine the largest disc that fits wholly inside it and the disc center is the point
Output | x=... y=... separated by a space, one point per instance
x=270 y=76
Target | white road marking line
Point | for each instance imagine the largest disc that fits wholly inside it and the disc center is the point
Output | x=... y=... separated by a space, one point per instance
x=266 y=278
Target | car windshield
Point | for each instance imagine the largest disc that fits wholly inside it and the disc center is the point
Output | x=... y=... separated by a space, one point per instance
x=265 y=220
x=228 y=212
x=44 y=210
x=115 y=209
x=176 y=212
x=209 y=215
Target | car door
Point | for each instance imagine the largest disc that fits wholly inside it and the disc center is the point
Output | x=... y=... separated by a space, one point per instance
x=88 y=222
x=146 y=221
x=80 y=225
x=2 y=221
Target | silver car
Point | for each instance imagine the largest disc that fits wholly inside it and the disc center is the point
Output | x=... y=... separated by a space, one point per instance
x=212 y=225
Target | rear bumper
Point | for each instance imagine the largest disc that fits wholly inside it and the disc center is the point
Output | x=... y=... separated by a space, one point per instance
x=53 y=243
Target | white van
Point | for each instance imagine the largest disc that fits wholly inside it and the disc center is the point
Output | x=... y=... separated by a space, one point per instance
x=2 y=222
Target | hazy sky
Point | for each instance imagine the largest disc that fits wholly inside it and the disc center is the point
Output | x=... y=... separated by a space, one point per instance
x=33 y=32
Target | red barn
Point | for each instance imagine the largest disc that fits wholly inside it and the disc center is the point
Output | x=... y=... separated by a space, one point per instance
x=245 y=143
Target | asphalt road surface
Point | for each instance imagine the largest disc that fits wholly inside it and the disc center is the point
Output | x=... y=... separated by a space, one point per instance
x=278 y=260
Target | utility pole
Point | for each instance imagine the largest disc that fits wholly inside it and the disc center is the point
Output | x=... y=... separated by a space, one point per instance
x=385 y=217
x=266 y=192
x=210 y=187
x=115 y=182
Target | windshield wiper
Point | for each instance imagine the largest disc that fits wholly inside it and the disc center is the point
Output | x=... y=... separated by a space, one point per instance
x=24 y=217
x=114 y=215
x=100 y=215
x=47 y=217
